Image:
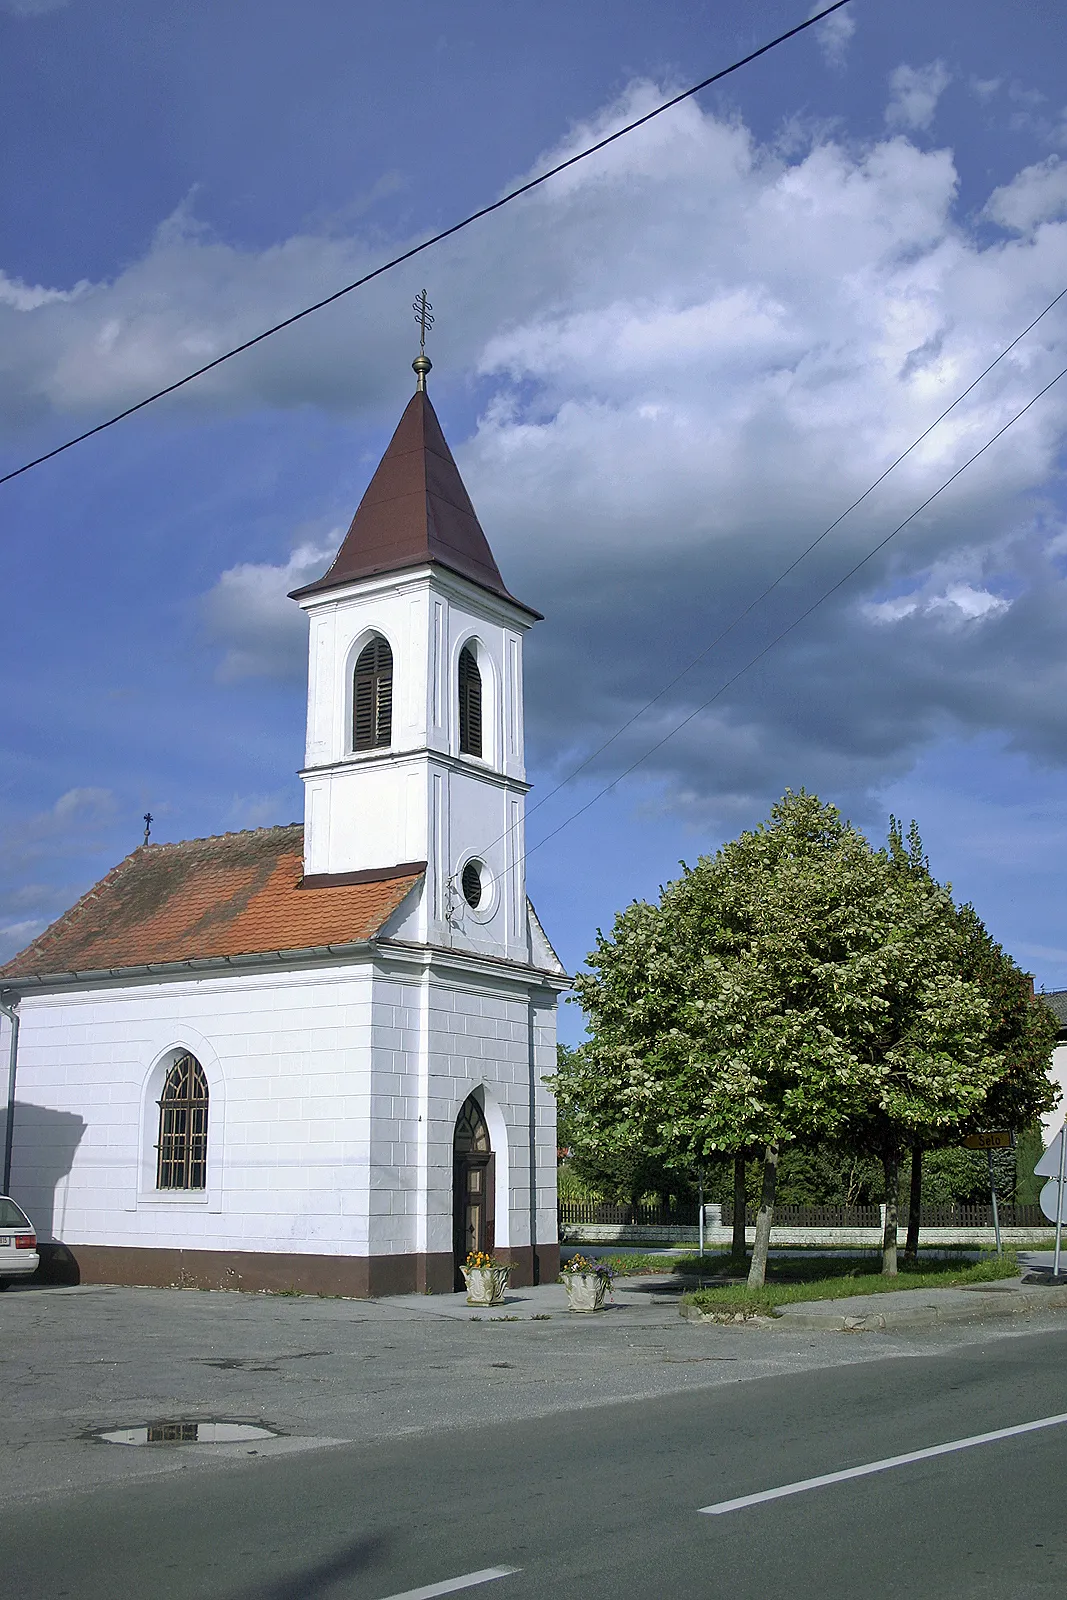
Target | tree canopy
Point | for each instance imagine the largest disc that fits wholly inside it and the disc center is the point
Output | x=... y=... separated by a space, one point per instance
x=799 y=986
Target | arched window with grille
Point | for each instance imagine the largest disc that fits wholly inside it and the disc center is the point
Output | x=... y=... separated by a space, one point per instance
x=182 y=1149
x=470 y=704
x=372 y=696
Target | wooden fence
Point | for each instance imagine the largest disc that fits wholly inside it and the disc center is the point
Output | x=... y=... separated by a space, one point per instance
x=643 y=1216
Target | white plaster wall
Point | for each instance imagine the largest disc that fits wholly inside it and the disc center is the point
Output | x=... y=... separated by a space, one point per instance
x=427 y=616
x=413 y=808
x=1058 y=1073
x=477 y=1037
x=544 y=1010
x=288 y=1063
x=333 y=1098
x=372 y=811
x=421 y=800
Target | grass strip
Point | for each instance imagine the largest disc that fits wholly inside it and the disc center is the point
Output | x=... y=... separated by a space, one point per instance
x=819 y=1263
x=856 y=1278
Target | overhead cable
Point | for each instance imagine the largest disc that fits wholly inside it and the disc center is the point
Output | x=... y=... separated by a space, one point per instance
x=427 y=244
x=792 y=626
x=785 y=573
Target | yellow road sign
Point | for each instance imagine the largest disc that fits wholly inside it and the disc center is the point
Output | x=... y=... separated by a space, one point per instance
x=989 y=1141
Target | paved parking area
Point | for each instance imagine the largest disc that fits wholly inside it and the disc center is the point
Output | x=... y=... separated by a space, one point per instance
x=74 y=1362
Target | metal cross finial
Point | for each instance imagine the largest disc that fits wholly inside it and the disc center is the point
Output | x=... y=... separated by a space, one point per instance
x=148 y=821
x=424 y=317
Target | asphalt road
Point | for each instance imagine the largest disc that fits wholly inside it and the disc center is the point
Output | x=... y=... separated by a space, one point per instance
x=605 y=1501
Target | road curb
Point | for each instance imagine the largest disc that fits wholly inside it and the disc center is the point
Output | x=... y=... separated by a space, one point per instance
x=727 y=1319
x=932 y=1309
x=909 y=1309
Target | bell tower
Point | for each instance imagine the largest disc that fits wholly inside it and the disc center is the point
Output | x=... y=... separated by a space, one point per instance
x=415 y=703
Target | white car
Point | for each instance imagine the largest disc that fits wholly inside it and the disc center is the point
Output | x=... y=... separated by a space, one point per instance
x=18 y=1243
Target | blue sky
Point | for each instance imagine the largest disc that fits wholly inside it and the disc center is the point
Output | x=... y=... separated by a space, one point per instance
x=662 y=376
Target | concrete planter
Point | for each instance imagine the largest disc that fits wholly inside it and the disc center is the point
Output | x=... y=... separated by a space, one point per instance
x=485 y=1285
x=585 y=1290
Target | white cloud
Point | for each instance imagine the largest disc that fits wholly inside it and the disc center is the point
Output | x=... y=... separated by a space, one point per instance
x=699 y=350
x=32 y=8
x=28 y=297
x=984 y=88
x=834 y=34
x=76 y=814
x=260 y=810
x=960 y=602
x=249 y=612
x=75 y=826
x=1037 y=194
x=15 y=936
x=1044 y=952
x=914 y=93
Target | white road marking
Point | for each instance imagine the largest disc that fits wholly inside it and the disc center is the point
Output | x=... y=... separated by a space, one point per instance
x=881 y=1466
x=451 y=1585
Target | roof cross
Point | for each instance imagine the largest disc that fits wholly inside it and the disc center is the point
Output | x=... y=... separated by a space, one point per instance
x=424 y=317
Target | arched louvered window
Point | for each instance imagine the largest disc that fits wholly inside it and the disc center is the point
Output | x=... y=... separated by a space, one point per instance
x=372 y=696
x=470 y=704
x=182 y=1149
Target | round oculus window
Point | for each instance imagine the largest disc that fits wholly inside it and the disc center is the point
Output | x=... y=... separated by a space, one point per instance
x=472 y=884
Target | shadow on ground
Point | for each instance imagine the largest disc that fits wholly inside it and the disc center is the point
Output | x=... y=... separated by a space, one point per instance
x=316 y=1580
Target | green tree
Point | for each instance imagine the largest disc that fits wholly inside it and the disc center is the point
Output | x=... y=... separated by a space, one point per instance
x=623 y=1176
x=828 y=1175
x=726 y=1018
x=1028 y=1152
x=796 y=987
x=1018 y=1036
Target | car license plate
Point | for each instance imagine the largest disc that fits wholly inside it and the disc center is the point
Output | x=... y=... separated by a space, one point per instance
x=5 y=1238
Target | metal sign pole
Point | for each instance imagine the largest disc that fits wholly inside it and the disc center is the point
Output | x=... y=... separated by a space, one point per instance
x=700 y=1203
x=1059 y=1201
x=993 y=1197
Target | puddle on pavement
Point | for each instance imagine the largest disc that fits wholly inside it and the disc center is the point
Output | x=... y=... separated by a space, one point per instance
x=189 y=1433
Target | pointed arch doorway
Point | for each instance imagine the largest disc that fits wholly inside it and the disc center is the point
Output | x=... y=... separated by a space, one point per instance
x=472 y=1186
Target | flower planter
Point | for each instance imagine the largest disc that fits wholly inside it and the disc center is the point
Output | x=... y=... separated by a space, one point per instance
x=585 y=1290
x=485 y=1285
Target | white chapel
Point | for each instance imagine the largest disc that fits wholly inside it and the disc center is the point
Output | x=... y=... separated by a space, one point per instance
x=312 y=1057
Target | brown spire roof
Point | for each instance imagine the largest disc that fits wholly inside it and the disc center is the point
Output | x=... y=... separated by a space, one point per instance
x=415 y=512
x=239 y=894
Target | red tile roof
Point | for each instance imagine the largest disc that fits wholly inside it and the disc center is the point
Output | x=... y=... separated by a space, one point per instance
x=237 y=894
x=416 y=512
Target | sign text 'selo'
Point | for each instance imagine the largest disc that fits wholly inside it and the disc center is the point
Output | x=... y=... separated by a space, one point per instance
x=989 y=1141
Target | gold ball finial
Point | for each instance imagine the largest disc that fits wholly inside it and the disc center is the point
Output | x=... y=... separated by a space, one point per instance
x=420 y=367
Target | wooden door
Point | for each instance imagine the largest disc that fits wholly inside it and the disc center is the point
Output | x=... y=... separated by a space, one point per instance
x=473 y=1184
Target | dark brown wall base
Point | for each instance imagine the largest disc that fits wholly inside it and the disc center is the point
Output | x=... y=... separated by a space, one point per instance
x=545 y=1270
x=357 y=1277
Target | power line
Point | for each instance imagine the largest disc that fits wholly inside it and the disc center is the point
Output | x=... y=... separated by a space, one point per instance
x=427 y=244
x=774 y=584
x=767 y=648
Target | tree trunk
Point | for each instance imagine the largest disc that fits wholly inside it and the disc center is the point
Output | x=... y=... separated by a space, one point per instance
x=891 y=1168
x=737 y=1247
x=915 y=1204
x=757 y=1272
